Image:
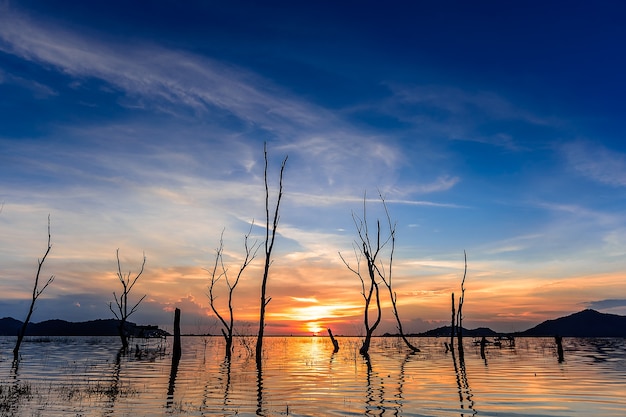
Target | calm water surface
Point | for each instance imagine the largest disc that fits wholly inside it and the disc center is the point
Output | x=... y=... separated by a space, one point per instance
x=301 y=376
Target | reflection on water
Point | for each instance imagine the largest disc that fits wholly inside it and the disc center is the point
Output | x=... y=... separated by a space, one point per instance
x=465 y=393
x=303 y=376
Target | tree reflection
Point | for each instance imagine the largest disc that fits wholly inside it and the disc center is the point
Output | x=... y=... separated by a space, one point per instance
x=402 y=380
x=113 y=390
x=259 y=389
x=465 y=393
x=381 y=396
x=225 y=373
x=171 y=386
x=12 y=392
x=374 y=391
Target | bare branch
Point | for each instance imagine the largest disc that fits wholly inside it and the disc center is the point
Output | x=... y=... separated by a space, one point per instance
x=36 y=293
x=269 y=244
x=250 y=253
x=122 y=300
x=459 y=317
x=132 y=310
x=113 y=311
x=215 y=277
x=45 y=286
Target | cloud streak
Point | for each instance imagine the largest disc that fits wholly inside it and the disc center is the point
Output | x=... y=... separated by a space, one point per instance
x=596 y=162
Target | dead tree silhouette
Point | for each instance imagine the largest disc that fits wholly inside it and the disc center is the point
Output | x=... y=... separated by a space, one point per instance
x=249 y=255
x=36 y=293
x=122 y=301
x=270 y=238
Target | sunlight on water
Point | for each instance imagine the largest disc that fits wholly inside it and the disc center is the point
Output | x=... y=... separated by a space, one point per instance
x=301 y=376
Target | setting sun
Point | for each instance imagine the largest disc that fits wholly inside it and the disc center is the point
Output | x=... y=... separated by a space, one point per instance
x=312 y=317
x=314 y=327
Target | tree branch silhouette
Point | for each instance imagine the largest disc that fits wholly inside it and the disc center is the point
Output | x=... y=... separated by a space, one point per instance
x=250 y=254
x=36 y=293
x=269 y=245
x=123 y=312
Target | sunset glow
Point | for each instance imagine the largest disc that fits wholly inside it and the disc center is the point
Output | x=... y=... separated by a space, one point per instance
x=492 y=130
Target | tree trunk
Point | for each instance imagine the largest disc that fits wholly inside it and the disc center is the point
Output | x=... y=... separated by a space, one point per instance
x=269 y=245
x=332 y=339
x=369 y=331
x=36 y=293
x=176 y=354
x=177 y=351
x=121 y=328
x=452 y=325
x=559 y=347
x=228 y=338
x=22 y=333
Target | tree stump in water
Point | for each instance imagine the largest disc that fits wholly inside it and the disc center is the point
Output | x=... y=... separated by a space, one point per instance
x=335 y=343
x=559 y=347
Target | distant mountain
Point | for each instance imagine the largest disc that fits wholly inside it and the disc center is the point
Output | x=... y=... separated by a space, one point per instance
x=445 y=332
x=9 y=327
x=586 y=323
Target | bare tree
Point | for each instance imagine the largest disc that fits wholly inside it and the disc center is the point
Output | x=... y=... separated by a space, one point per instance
x=269 y=245
x=365 y=249
x=123 y=312
x=386 y=277
x=452 y=324
x=456 y=327
x=459 y=313
x=36 y=293
x=250 y=254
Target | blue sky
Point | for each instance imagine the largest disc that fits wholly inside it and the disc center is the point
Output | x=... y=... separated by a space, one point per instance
x=490 y=127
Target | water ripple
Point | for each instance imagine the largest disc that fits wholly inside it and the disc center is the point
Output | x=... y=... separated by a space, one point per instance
x=303 y=377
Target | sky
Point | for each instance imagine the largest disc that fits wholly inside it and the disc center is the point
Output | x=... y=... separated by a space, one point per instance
x=494 y=128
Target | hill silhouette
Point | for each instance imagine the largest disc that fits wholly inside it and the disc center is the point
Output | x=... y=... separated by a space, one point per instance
x=586 y=323
x=109 y=327
x=445 y=332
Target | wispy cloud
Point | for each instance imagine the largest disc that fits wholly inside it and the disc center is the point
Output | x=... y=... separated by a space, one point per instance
x=328 y=200
x=580 y=212
x=169 y=77
x=596 y=162
x=513 y=244
x=459 y=113
x=605 y=304
x=330 y=151
x=38 y=90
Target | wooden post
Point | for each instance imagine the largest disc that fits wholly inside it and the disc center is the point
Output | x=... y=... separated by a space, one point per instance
x=335 y=343
x=483 y=342
x=452 y=325
x=559 y=347
x=177 y=352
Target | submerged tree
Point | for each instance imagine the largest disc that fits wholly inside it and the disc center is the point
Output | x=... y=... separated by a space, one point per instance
x=250 y=254
x=386 y=277
x=456 y=327
x=36 y=293
x=365 y=249
x=123 y=312
x=270 y=224
x=459 y=312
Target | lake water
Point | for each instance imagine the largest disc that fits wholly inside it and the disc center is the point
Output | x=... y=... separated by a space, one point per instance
x=301 y=376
